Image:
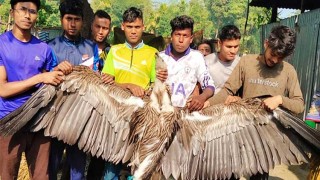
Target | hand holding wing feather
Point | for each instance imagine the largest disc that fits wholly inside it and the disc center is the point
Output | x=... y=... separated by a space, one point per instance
x=81 y=110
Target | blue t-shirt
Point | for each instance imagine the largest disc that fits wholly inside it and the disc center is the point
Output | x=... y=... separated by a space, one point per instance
x=82 y=51
x=21 y=60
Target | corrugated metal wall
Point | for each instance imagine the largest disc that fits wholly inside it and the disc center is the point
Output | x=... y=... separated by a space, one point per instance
x=307 y=53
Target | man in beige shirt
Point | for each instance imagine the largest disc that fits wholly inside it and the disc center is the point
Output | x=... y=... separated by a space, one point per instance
x=267 y=76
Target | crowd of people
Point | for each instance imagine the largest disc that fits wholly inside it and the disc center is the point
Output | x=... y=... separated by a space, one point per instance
x=197 y=78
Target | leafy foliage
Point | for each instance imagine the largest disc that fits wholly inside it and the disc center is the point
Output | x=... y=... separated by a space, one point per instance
x=208 y=15
x=49 y=15
x=4 y=14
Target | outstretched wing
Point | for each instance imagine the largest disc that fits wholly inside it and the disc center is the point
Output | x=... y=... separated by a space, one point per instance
x=240 y=139
x=82 y=110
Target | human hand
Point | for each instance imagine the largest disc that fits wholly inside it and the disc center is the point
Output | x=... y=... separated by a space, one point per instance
x=231 y=99
x=272 y=103
x=54 y=77
x=107 y=78
x=64 y=67
x=162 y=74
x=196 y=103
x=135 y=90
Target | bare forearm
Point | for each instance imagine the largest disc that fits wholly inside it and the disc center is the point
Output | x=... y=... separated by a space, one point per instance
x=207 y=93
x=9 y=89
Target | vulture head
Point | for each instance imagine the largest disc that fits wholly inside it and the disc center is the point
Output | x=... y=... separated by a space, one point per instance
x=158 y=139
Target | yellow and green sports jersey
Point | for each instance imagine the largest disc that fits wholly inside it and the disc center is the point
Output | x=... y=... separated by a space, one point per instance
x=135 y=66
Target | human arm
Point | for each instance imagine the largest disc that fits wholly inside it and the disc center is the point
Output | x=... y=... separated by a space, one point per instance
x=134 y=89
x=197 y=102
x=162 y=74
x=9 y=89
x=107 y=78
x=293 y=101
x=64 y=66
x=233 y=84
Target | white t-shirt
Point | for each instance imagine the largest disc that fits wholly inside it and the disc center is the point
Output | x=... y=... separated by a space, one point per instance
x=183 y=75
x=220 y=70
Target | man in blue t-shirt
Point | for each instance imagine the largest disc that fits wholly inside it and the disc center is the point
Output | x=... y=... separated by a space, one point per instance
x=24 y=60
x=71 y=49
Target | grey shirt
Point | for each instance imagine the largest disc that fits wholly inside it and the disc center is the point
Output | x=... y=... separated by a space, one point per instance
x=220 y=70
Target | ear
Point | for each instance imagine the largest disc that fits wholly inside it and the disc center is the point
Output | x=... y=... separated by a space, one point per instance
x=122 y=26
x=11 y=12
x=265 y=44
x=192 y=36
x=219 y=43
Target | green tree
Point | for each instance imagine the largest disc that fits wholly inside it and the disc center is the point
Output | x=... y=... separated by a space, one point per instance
x=4 y=14
x=49 y=15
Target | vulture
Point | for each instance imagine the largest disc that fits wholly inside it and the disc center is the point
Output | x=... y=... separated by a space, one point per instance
x=160 y=141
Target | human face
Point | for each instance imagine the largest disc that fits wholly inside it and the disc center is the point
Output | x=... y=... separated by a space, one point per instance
x=271 y=59
x=100 y=29
x=181 y=40
x=204 y=48
x=25 y=15
x=133 y=31
x=228 y=49
x=71 y=25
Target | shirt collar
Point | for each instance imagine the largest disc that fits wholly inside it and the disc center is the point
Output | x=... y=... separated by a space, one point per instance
x=136 y=47
x=169 y=48
x=73 y=42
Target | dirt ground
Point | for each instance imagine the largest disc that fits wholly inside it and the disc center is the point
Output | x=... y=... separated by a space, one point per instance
x=283 y=172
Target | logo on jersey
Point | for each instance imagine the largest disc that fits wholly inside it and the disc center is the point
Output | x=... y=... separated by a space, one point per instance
x=187 y=69
x=37 y=58
x=144 y=62
x=85 y=57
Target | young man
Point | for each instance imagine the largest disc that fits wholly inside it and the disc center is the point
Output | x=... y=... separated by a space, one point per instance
x=100 y=29
x=132 y=64
x=222 y=63
x=71 y=49
x=23 y=62
x=186 y=67
x=267 y=76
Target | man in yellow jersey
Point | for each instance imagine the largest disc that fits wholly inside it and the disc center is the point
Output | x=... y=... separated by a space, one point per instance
x=132 y=64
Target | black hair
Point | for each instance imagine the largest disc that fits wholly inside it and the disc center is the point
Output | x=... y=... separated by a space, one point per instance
x=36 y=2
x=206 y=41
x=102 y=14
x=282 y=41
x=132 y=14
x=181 y=22
x=229 y=32
x=74 y=7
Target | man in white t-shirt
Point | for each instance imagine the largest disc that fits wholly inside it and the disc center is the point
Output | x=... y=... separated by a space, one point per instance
x=222 y=63
x=186 y=67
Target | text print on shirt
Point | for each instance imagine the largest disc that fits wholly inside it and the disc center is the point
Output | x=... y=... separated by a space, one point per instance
x=264 y=82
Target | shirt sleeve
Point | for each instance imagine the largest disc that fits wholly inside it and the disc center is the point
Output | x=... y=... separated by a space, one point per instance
x=1 y=61
x=294 y=102
x=96 y=59
x=49 y=59
x=153 y=69
x=54 y=61
x=203 y=75
x=109 y=65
